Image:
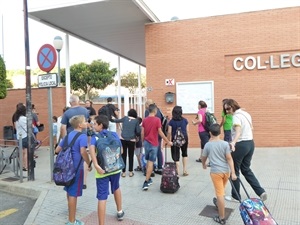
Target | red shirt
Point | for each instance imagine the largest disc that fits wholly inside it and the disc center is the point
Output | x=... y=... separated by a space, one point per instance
x=151 y=124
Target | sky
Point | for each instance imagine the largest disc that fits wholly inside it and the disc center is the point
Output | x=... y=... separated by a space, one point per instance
x=12 y=38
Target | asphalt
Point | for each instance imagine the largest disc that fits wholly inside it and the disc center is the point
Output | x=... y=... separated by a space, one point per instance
x=277 y=169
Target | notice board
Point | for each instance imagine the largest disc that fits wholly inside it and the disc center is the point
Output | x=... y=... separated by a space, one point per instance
x=188 y=95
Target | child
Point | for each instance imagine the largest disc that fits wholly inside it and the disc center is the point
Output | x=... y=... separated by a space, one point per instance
x=219 y=154
x=151 y=128
x=78 y=152
x=102 y=180
x=138 y=149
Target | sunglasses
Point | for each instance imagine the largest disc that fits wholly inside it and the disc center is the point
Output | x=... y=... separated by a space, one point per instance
x=228 y=108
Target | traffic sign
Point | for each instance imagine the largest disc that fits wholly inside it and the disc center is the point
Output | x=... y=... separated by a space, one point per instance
x=47 y=80
x=46 y=57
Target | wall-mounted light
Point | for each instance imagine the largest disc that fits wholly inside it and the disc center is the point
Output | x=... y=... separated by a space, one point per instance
x=170 y=97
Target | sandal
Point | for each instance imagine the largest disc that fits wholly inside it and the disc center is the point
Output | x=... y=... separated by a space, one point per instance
x=215 y=201
x=185 y=173
x=219 y=220
x=138 y=168
x=131 y=174
x=198 y=160
x=123 y=174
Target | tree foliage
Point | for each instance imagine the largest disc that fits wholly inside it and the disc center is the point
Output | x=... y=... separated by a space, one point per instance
x=9 y=84
x=3 y=83
x=130 y=81
x=88 y=77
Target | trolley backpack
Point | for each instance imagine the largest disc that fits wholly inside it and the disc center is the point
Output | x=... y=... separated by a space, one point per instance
x=253 y=210
x=64 y=171
x=169 y=180
x=109 y=151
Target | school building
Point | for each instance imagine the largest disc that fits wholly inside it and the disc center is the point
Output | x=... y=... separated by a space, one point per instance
x=252 y=57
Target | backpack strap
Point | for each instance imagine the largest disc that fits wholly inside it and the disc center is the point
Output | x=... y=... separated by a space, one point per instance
x=73 y=140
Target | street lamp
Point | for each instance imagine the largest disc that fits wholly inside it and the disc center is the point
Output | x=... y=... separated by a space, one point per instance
x=58 y=44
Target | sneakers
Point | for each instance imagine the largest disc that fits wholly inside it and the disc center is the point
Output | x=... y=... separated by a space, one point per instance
x=231 y=199
x=150 y=181
x=120 y=216
x=147 y=184
x=84 y=186
x=77 y=222
x=263 y=196
x=158 y=171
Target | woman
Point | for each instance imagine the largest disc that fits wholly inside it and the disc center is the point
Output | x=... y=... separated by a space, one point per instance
x=226 y=123
x=176 y=122
x=242 y=147
x=131 y=129
x=200 y=121
x=21 y=128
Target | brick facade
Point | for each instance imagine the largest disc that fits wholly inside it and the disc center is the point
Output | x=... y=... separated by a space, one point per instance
x=204 y=49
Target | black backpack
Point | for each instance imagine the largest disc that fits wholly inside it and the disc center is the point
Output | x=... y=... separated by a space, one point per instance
x=164 y=123
x=210 y=120
x=105 y=110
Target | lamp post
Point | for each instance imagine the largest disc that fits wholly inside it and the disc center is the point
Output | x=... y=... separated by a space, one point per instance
x=58 y=44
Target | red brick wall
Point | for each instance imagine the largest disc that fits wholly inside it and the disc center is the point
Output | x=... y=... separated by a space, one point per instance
x=203 y=49
x=40 y=100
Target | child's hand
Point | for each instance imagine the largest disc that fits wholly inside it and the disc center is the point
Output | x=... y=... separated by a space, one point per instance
x=204 y=166
x=99 y=169
x=233 y=176
x=232 y=146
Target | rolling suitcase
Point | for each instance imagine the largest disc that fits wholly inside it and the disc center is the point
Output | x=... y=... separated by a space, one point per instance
x=169 y=180
x=253 y=210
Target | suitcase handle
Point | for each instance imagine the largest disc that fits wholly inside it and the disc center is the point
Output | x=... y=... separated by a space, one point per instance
x=234 y=189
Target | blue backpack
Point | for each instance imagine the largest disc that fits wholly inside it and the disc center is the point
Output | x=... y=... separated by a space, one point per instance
x=108 y=147
x=64 y=171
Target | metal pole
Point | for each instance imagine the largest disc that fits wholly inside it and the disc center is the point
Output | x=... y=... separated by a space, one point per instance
x=68 y=80
x=2 y=38
x=51 y=132
x=119 y=86
x=140 y=92
x=21 y=157
x=30 y=148
x=58 y=70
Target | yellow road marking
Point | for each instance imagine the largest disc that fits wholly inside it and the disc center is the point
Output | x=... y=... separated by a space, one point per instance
x=7 y=212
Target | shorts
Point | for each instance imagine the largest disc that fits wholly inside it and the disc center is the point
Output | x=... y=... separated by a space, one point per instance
x=75 y=190
x=138 y=151
x=219 y=180
x=103 y=185
x=150 y=151
x=25 y=142
x=204 y=137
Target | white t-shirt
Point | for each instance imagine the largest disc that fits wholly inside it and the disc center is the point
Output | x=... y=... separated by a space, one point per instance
x=21 y=127
x=244 y=120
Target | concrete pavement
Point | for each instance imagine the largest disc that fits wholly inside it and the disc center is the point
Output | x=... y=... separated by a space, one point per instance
x=277 y=169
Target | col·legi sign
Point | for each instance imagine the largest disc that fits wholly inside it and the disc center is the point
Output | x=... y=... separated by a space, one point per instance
x=280 y=61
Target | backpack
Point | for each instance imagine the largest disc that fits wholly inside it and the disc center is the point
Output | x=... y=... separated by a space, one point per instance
x=164 y=123
x=109 y=152
x=64 y=171
x=105 y=110
x=210 y=120
x=179 y=138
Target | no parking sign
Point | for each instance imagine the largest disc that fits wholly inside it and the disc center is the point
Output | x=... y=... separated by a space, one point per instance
x=46 y=57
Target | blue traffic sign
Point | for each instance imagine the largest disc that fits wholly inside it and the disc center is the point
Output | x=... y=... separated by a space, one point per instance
x=46 y=57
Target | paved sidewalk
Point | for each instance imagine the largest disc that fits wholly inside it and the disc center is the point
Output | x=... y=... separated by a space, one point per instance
x=277 y=169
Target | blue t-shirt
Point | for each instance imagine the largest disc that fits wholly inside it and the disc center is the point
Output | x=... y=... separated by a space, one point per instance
x=79 y=143
x=79 y=110
x=179 y=123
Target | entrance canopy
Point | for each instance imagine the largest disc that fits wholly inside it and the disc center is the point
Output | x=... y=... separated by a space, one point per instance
x=114 y=25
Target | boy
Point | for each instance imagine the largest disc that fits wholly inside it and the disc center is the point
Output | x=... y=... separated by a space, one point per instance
x=151 y=127
x=78 y=152
x=103 y=179
x=219 y=154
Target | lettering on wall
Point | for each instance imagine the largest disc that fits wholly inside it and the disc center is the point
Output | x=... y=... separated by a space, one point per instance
x=272 y=62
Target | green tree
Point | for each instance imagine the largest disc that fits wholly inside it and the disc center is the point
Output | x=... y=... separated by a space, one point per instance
x=3 y=83
x=88 y=77
x=130 y=81
x=9 y=84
